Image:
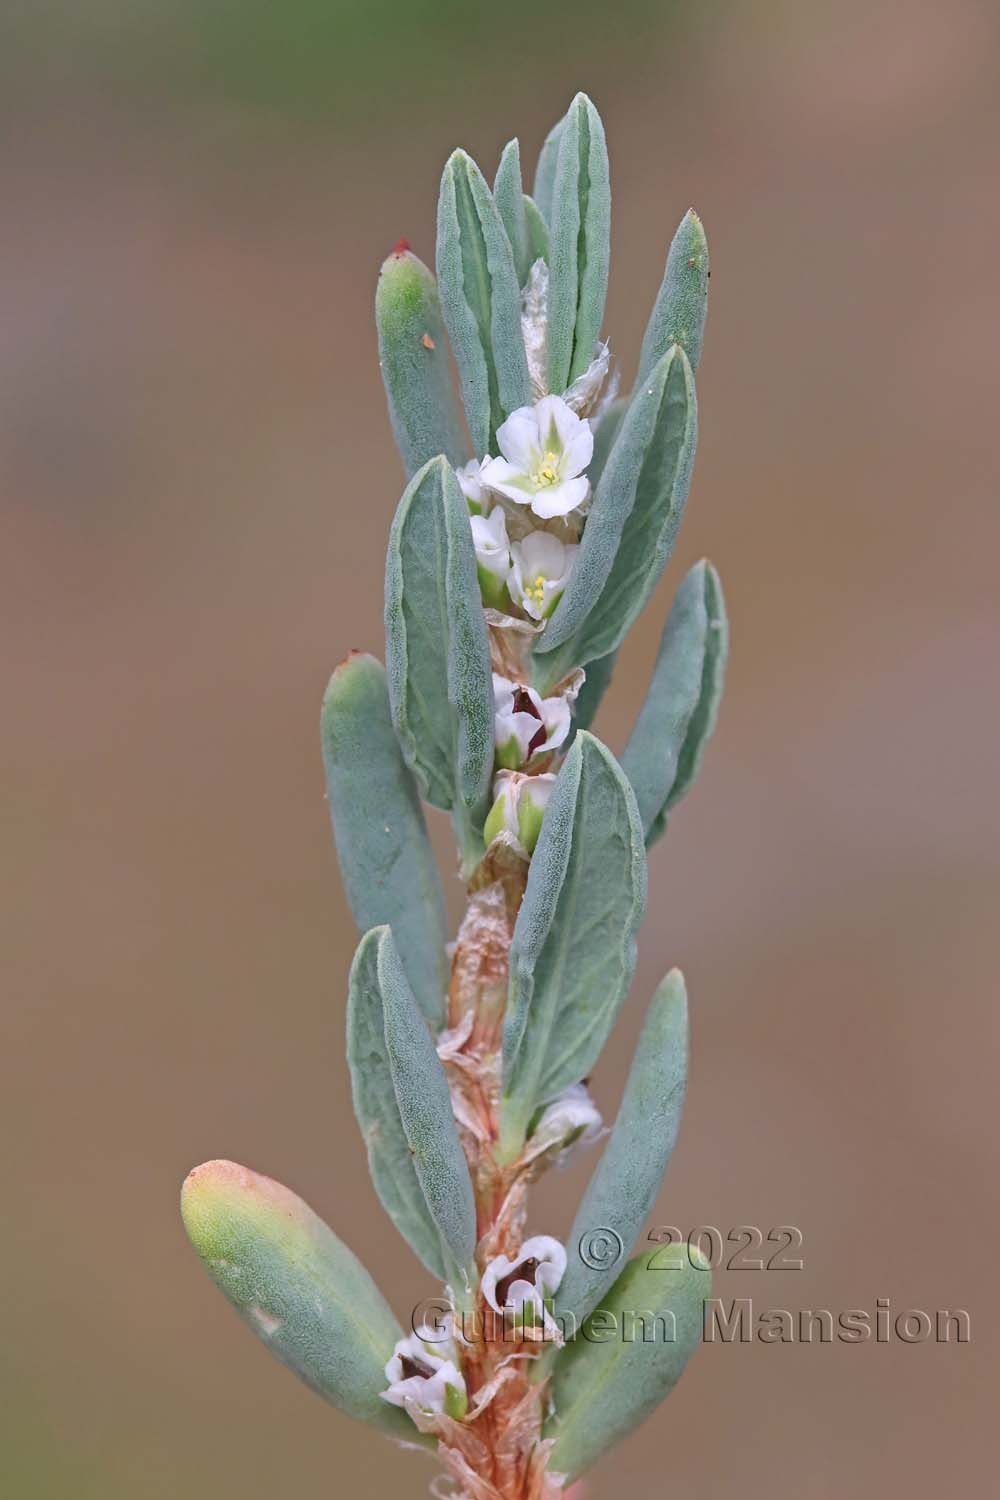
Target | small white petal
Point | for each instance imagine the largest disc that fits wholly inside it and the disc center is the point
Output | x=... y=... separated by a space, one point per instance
x=469 y=478
x=573 y=1114
x=560 y=499
x=551 y=1258
x=541 y=552
x=540 y=565
x=550 y=1254
x=579 y=450
x=556 y=717
x=518 y=439
x=520 y=727
x=503 y=693
x=504 y=479
x=489 y=537
x=555 y=423
x=559 y=426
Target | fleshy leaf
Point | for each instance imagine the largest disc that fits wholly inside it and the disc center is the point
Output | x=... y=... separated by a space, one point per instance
x=579 y=244
x=437 y=654
x=573 y=949
x=678 y=716
x=392 y=1166
x=545 y=171
x=424 y=1103
x=300 y=1289
x=413 y=358
x=480 y=299
x=625 y=1183
x=384 y=853
x=538 y=231
x=628 y=1355
x=681 y=305
x=509 y=197
x=633 y=524
x=604 y=437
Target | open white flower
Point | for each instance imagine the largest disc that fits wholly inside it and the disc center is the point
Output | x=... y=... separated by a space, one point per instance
x=422 y=1374
x=545 y=448
x=571 y=1120
x=470 y=483
x=489 y=537
x=526 y=724
x=521 y=1286
x=519 y=807
x=541 y=565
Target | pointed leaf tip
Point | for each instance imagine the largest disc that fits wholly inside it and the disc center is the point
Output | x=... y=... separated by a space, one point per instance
x=628 y=1176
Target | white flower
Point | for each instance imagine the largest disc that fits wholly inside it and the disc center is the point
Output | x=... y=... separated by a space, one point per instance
x=523 y=1285
x=422 y=1374
x=470 y=483
x=525 y=724
x=571 y=1120
x=541 y=568
x=519 y=807
x=489 y=537
x=545 y=450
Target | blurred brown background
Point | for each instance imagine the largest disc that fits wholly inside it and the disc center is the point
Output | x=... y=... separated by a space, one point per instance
x=197 y=481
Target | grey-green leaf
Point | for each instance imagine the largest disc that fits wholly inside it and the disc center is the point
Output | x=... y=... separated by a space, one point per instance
x=437 y=653
x=545 y=171
x=390 y=1162
x=508 y=194
x=538 y=231
x=573 y=949
x=579 y=243
x=628 y=1355
x=480 y=299
x=681 y=306
x=424 y=1102
x=604 y=438
x=625 y=1183
x=385 y=856
x=678 y=716
x=413 y=359
x=633 y=524
x=300 y=1289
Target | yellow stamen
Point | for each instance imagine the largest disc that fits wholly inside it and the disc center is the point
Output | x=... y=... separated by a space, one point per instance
x=548 y=470
x=535 y=590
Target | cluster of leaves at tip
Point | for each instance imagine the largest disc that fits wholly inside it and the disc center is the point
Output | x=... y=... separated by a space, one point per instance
x=537 y=519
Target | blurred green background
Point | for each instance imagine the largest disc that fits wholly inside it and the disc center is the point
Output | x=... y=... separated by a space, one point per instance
x=196 y=481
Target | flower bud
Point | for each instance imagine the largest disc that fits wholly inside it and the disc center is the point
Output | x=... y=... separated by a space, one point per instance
x=519 y=807
x=524 y=1285
x=571 y=1120
x=489 y=537
x=470 y=483
x=525 y=723
x=424 y=1377
x=541 y=565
